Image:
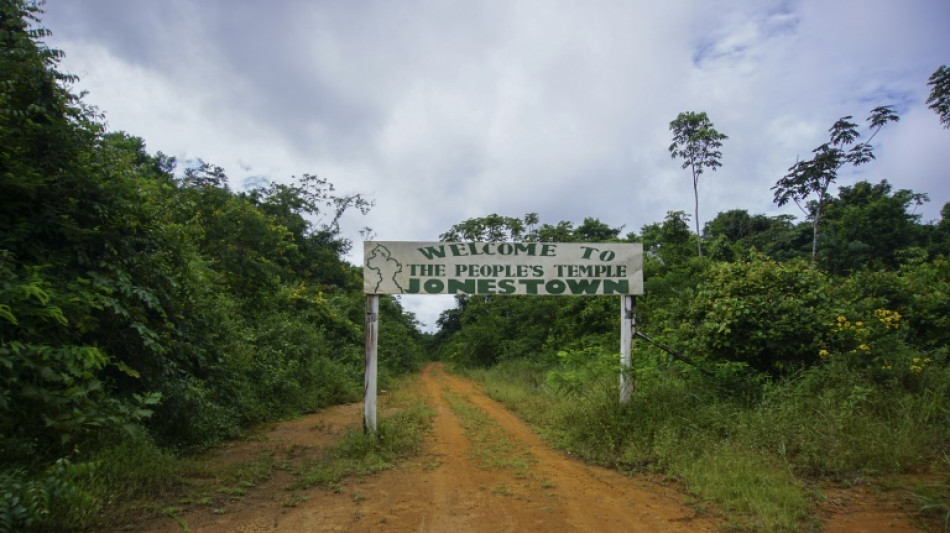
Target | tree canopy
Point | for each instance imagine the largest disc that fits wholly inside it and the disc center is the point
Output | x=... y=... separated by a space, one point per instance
x=939 y=99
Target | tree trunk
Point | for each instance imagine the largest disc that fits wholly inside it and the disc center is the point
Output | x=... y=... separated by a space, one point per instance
x=699 y=248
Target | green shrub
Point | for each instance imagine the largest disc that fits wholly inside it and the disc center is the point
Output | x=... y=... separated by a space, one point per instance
x=53 y=500
x=771 y=316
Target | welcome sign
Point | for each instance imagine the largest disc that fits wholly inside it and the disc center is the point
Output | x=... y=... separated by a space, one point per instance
x=532 y=268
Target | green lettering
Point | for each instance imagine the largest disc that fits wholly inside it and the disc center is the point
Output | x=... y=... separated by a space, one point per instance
x=583 y=286
x=433 y=286
x=464 y=286
x=528 y=248
x=621 y=286
x=432 y=251
x=486 y=286
x=531 y=285
x=555 y=286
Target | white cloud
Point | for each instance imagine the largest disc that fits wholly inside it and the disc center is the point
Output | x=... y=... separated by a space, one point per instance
x=445 y=111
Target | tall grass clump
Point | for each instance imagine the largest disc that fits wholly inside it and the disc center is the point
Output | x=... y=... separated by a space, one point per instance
x=834 y=422
x=933 y=501
x=131 y=473
x=749 y=484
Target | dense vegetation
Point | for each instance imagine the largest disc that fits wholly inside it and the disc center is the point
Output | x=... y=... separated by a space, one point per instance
x=148 y=307
x=786 y=370
x=147 y=310
x=799 y=350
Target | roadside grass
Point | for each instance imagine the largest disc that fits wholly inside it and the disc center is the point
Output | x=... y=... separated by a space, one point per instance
x=933 y=500
x=755 y=461
x=399 y=435
x=135 y=479
x=745 y=483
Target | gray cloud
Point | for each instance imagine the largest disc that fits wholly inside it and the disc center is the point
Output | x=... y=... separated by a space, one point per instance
x=444 y=111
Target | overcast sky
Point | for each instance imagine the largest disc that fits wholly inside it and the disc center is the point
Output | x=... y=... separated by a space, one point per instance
x=447 y=110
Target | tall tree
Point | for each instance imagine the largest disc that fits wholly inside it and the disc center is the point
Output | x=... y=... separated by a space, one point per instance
x=812 y=178
x=939 y=99
x=697 y=142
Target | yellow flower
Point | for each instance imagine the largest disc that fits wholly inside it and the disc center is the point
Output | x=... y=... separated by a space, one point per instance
x=865 y=348
x=890 y=319
x=823 y=353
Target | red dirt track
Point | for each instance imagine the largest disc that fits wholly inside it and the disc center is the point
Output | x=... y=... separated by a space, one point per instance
x=446 y=489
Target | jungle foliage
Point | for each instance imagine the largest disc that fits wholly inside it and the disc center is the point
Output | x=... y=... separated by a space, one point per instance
x=144 y=303
x=147 y=310
x=786 y=370
x=803 y=349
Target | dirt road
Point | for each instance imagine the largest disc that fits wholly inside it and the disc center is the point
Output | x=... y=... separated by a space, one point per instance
x=482 y=470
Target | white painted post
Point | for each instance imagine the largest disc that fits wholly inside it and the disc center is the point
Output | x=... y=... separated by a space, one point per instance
x=369 y=377
x=627 y=327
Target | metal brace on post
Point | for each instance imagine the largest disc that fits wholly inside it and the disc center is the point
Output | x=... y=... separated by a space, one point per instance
x=628 y=324
x=369 y=377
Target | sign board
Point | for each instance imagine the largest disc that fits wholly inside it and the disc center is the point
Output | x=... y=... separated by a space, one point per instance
x=541 y=268
x=534 y=268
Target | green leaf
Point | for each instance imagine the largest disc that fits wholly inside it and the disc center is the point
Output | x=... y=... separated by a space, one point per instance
x=127 y=370
x=7 y=313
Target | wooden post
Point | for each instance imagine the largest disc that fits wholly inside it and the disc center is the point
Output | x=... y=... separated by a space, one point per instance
x=628 y=324
x=369 y=377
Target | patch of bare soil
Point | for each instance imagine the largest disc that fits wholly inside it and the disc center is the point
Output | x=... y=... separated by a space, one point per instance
x=447 y=489
x=866 y=510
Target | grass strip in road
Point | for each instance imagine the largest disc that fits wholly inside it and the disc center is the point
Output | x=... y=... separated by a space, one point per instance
x=492 y=446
